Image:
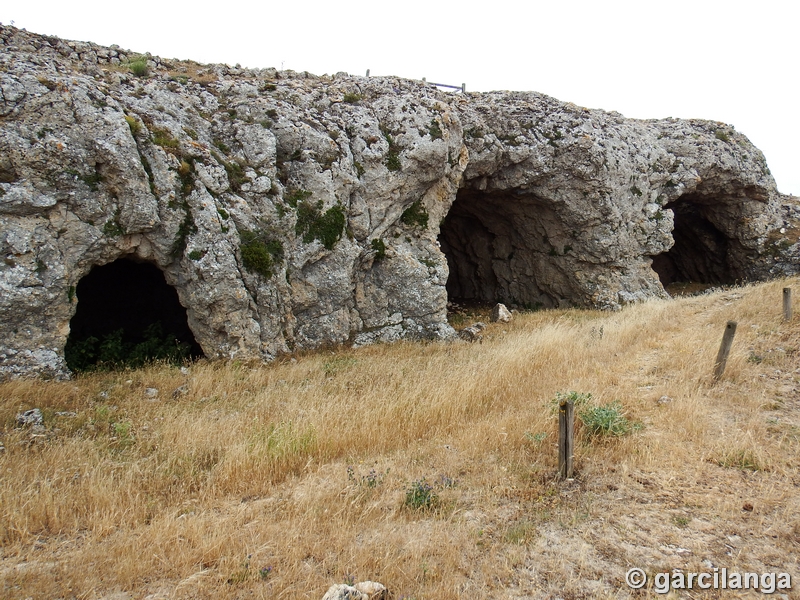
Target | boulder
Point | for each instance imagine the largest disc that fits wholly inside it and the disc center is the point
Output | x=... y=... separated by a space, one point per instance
x=500 y=314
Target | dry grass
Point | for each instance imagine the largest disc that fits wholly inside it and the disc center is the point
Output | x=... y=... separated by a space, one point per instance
x=192 y=496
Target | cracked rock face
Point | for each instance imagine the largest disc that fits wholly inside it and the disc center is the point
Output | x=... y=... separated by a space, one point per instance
x=290 y=211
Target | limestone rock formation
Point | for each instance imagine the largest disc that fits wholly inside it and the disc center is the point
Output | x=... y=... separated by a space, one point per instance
x=287 y=211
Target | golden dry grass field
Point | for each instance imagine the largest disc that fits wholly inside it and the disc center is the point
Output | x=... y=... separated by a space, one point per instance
x=428 y=467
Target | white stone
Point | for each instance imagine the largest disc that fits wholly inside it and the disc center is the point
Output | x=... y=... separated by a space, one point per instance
x=500 y=314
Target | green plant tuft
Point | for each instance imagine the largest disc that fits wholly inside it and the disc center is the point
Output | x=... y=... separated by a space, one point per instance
x=421 y=496
x=352 y=98
x=112 y=228
x=92 y=180
x=608 y=419
x=186 y=173
x=185 y=229
x=295 y=196
x=134 y=124
x=162 y=137
x=379 y=247
x=742 y=459
x=435 y=130
x=415 y=215
x=260 y=252
x=326 y=227
x=138 y=66
x=393 y=161
x=393 y=155
x=722 y=135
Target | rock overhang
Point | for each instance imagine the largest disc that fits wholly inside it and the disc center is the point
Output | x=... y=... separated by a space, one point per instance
x=340 y=186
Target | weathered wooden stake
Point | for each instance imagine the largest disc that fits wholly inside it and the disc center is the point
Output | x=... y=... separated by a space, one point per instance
x=787 y=304
x=724 y=349
x=463 y=88
x=566 y=437
x=367 y=72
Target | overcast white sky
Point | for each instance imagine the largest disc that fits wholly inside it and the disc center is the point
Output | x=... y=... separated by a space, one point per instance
x=734 y=61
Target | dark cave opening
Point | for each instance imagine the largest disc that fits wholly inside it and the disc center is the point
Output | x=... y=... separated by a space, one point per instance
x=499 y=248
x=127 y=314
x=701 y=253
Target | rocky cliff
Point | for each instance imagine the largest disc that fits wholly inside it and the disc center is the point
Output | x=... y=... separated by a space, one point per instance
x=289 y=211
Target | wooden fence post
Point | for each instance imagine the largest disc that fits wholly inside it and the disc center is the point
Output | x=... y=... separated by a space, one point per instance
x=367 y=72
x=724 y=349
x=566 y=437
x=787 y=304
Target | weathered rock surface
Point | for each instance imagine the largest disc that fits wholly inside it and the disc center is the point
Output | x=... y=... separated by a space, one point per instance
x=291 y=211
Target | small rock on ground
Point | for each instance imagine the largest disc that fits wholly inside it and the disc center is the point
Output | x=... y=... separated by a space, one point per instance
x=29 y=418
x=500 y=314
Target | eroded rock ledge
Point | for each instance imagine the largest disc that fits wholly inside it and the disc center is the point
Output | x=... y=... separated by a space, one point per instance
x=290 y=211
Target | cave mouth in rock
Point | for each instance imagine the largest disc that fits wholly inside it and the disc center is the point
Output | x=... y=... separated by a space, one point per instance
x=128 y=315
x=701 y=253
x=497 y=249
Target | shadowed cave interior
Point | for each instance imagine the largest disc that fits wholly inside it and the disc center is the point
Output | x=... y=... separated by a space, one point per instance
x=701 y=253
x=128 y=314
x=498 y=249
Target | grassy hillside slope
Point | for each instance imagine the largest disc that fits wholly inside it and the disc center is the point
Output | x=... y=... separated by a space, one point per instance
x=427 y=467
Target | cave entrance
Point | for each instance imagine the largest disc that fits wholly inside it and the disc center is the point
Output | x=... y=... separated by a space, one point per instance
x=128 y=315
x=500 y=247
x=700 y=256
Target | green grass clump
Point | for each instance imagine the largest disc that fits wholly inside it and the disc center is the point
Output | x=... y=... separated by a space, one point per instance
x=352 y=98
x=260 y=252
x=163 y=138
x=135 y=126
x=138 y=66
x=435 y=130
x=313 y=224
x=745 y=460
x=415 y=215
x=393 y=161
x=722 y=135
x=112 y=228
x=295 y=196
x=185 y=229
x=393 y=155
x=379 y=247
x=236 y=174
